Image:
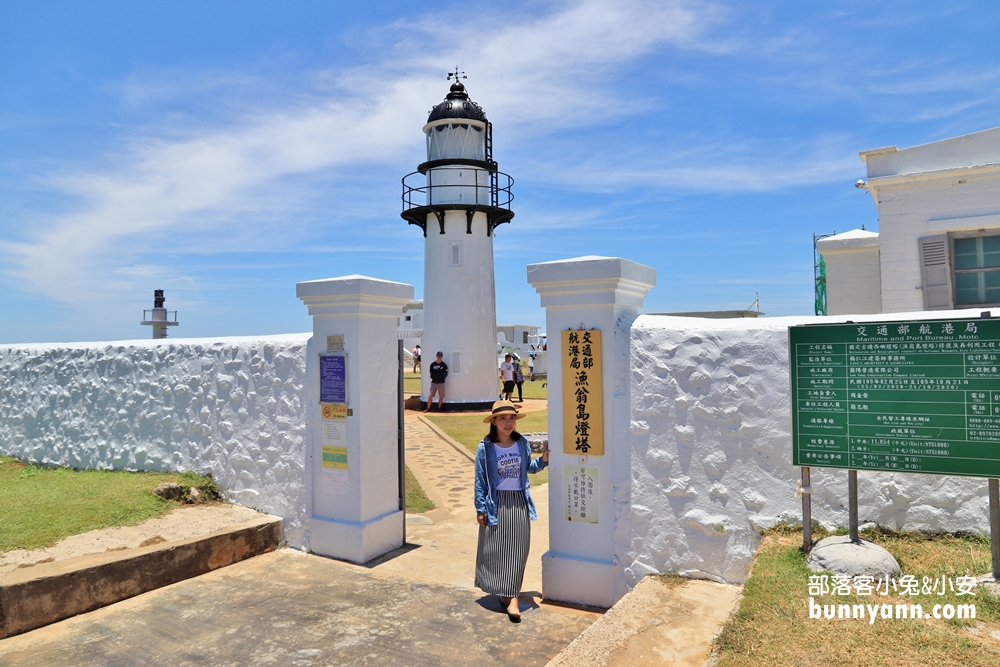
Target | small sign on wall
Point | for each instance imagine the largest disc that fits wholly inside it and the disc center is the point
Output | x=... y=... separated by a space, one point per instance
x=334 y=442
x=581 y=493
x=333 y=378
x=333 y=410
x=582 y=392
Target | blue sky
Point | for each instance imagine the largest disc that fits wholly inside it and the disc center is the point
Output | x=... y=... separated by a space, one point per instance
x=223 y=151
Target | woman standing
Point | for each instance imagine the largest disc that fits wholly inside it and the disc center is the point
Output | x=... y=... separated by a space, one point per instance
x=504 y=506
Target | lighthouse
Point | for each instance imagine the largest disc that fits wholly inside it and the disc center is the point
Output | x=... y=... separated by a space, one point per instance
x=159 y=317
x=458 y=198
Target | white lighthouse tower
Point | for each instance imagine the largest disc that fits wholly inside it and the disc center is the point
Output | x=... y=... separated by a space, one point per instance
x=159 y=317
x=458 y=197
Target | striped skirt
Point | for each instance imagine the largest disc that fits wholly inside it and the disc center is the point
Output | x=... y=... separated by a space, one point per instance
x=502 y=553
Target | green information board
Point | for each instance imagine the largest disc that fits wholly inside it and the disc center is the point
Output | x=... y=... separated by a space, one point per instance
x=921 y=396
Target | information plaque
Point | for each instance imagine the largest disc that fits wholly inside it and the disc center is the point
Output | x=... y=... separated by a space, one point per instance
x=921 y=396
x=332 y=378
x=583 y=393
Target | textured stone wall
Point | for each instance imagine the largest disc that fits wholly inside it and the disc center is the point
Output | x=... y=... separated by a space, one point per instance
x=234 y=407
x=710 y=436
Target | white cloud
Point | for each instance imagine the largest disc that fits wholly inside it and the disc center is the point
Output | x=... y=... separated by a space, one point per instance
x=243 y=179
x=198 y=180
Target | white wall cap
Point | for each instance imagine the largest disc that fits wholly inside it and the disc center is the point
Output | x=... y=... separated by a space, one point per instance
x=161 y=342
x=591 y=268
x=591 y=281
x=855 y=239
x=354 y=295
x=354 y=284
x=876 y=151
x=968 y=150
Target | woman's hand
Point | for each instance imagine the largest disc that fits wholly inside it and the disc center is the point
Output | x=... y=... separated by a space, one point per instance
x=481 y=520
x=545 y=453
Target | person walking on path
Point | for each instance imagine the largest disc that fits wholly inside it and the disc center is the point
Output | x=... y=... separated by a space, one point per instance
x=518 y=380
x=416 y=358
x=504 y=507
x=531 y=367
x=439 y=372
x=507 y=375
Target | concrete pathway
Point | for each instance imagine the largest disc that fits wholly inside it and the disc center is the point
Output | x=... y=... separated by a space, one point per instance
x=287 y=608
x=446 y=552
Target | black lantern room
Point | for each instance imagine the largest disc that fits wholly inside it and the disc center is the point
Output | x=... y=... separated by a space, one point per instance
x=460 y=172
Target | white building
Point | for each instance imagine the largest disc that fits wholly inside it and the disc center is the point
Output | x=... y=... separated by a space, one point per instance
x=519 y=338
x=938 y=245
x=458 y=197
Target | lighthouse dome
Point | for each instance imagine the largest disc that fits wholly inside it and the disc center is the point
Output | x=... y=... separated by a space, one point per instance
x=457 y=105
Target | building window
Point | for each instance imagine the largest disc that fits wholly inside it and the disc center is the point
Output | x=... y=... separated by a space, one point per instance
x=455 y=256
x=407 y=318
x=525 y=334
x=977 y=270
x=456 y=363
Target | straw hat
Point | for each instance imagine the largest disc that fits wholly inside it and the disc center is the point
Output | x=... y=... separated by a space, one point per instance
x=499 y=408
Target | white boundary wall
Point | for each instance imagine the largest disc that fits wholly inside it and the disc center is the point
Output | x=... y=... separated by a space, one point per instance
x=234 y=407
x=710 y=439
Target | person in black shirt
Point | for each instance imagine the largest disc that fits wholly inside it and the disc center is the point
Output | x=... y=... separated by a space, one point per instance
x=439 y=371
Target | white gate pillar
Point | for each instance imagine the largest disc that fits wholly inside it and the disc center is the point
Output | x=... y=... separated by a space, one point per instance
x=583 y=563
x=352 y=453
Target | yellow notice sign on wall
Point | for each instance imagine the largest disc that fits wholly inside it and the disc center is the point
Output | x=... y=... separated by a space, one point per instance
x=333 y=410
x=335 y=474
x=583 y=395
x=335 y=457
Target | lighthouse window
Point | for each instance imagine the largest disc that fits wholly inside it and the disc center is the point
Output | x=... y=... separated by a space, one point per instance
x=456 y=140
x=455 y=255
x=456 y=363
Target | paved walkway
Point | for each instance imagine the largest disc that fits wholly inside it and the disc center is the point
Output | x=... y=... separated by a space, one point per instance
x=290 y=608
x=447 y=552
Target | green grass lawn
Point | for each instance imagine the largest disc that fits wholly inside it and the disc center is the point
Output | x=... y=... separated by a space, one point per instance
x=39 y=506
x=772 y=626
x=469 y=430
x=411 y=381
x=416 y=500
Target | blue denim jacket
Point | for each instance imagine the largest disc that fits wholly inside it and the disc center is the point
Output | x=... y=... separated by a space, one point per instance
x=487 y=478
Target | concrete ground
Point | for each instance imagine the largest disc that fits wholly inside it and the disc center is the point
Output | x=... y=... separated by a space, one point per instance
x=415 y=606
x=290 y=608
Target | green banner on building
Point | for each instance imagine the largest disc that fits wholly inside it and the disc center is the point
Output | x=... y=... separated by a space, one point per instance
x=921 y=396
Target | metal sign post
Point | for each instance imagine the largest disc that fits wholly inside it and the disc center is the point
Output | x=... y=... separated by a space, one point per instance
x=995 y=526
x=852 y=505
x=806 y=489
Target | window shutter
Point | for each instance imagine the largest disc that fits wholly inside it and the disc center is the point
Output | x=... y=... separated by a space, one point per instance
x=456 y=363
x=935 y=270
x=455 y=258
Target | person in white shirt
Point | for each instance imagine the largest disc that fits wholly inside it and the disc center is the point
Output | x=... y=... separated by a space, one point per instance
x=507 y=375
